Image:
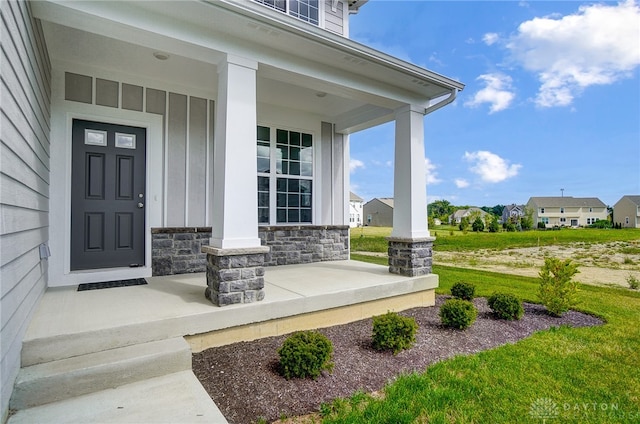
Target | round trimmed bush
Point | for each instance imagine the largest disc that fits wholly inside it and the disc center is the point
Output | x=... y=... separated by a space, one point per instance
x=393 y=332
x=305 y=354
x=462 y=290
x=458 y=313
x=506 y=306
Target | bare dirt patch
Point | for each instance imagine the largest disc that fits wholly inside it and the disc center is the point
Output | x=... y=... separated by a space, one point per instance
x=244 y=382
x=599 y=264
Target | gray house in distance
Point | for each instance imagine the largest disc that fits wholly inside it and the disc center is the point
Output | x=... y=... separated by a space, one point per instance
x=626 y=211
x=378 y=212
x=512 y=211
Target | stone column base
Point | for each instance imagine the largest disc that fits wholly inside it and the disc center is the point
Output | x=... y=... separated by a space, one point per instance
x=235 y=275
x=410 y=257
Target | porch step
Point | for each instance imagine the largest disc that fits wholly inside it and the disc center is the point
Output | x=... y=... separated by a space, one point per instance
x=71 y=377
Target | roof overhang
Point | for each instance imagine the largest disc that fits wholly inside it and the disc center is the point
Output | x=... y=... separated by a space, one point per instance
x=364 y=86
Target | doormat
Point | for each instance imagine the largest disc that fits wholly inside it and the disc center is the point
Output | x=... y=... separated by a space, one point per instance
x=111 y=284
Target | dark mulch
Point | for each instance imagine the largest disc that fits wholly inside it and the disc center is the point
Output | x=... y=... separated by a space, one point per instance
x=243 y=378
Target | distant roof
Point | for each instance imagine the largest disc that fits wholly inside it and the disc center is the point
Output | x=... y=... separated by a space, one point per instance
x=385 y=200
x=634 y=198
x=567 y=201
x=354 y=197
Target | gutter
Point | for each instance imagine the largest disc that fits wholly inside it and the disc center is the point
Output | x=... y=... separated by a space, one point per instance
x=452 y=96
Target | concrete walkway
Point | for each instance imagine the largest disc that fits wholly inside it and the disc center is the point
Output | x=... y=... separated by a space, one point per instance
x=71 y=329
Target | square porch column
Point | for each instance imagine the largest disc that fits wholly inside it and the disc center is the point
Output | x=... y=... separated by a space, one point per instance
x=235 y=258
x=410 y=244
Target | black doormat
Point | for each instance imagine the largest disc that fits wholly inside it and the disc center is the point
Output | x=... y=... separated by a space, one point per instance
x=110 y=284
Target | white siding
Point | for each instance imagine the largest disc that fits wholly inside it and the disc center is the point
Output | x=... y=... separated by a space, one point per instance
x=334 y=20
x=24 y=179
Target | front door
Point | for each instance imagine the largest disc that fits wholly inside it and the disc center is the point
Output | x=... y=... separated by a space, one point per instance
x=107 y=195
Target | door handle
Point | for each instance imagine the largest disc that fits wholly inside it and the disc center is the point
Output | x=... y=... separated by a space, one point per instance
x=140 y=205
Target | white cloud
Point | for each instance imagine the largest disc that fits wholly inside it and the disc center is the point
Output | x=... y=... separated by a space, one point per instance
x=498 y=92
x=430 y=171
x=598 y=45
x=490 y=38
x=354 y=164
x=461 y=183
x=491 y=167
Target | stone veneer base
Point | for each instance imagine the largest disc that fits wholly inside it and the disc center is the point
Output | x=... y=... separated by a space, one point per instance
x=235 y=275
x=410 y=257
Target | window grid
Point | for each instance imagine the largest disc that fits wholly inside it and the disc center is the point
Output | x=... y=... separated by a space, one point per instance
x=285 y=168
x=305 y=10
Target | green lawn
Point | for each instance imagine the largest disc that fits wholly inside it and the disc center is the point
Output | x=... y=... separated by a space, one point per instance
x=373 y=239
x=591 y=375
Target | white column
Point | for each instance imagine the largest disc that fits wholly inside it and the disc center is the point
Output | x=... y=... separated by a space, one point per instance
x=409 y=185
x=235 y=200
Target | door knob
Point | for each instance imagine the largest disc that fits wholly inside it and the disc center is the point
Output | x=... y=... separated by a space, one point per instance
x=141 y=205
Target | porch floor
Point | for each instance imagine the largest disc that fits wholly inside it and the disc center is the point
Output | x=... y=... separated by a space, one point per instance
x=69 y=323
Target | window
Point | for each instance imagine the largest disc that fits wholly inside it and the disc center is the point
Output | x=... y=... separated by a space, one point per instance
x=563 y=220
x=544 y=220
x=561 y=210
x=306 y=10
x=285 y=176
x=590 y=209
x=541 y=210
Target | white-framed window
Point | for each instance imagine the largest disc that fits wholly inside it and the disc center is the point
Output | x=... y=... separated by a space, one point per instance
x=563 y=220
x=561 y=210
x=544 y=220
x=305 y=10
x=285 y=176
x=541 y=210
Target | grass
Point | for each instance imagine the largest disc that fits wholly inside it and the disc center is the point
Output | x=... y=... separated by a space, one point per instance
x=590 y=375
x=373 y=239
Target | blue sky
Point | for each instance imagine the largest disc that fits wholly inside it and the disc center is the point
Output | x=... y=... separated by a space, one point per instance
x=552 y=98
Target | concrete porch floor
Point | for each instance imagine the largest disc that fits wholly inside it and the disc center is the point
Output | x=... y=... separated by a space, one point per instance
x=69 y=323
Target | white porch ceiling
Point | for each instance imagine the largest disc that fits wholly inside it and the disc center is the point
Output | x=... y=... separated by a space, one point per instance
x=296 y=61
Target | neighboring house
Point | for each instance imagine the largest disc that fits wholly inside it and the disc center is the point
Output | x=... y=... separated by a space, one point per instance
x=378 y=212
x=567 y=211
x=355 y=210
x=626 y=212
x=512 y=211
x=135 y=134
x=456 y=217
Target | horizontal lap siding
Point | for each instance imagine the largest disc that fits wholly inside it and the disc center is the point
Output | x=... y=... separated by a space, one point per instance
x=334 y=21
x=25 y=95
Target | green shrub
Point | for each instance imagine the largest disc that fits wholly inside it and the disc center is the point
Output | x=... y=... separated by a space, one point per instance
x=458 y=313
x=393 y=332
x=633 y=282
x=558 y=292
x=462 y=290
x=506 y=306
x=305 y=354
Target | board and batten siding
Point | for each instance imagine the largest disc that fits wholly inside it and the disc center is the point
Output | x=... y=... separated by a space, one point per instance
x=25 y=99
x=188 y=139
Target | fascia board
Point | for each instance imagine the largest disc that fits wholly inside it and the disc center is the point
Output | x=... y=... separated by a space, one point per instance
x=341 y=44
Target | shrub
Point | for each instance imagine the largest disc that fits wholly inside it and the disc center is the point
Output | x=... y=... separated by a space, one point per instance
x=478 y=225
x=506 y=306
x=557 y=289
x=462 y=290
x=458 y=313
x=393 y=332
x=542 y=225
x=633 y=282
x=305 y=354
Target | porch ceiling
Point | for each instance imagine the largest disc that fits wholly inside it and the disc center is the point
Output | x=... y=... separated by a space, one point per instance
x=298 y=63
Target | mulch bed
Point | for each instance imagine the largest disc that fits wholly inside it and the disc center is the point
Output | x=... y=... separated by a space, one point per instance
x=243 y=379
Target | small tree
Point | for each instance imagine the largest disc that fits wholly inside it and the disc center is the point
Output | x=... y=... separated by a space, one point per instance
x=526 y=221
x=478 y=225
x=464 y=224
x=494 y=226
x=557 y=289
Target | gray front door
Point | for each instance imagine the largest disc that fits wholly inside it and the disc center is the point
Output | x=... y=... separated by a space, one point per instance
x=107 y=195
